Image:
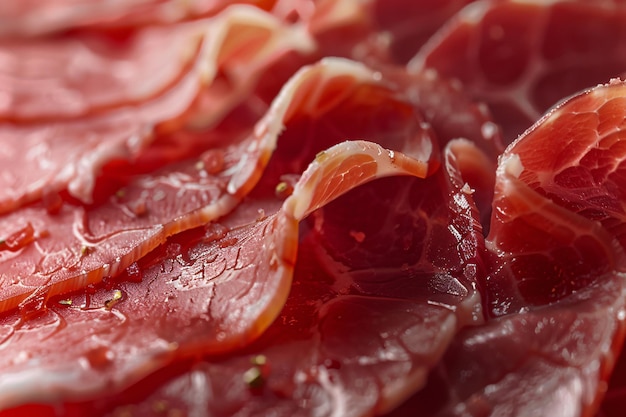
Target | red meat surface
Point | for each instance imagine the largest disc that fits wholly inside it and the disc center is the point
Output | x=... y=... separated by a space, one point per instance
x=75 y=246
x=36 y=17
x=562 y=204
x=312 y=208
x=103 y=115
x=306 y=358
x=522 y=58
x=225 y=283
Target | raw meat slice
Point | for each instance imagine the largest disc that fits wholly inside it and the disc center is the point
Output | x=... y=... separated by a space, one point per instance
x=585 y=174
x=50 y=157
x=68 y=76
x=541 y=251
x=37 y=17
x=557 y=269
x=77 y=246
x=426 y=237
x=322 y=104
x=348 y=341
x=200 y=293
x=382 y=305
x=239 y=45
x=355 y=103
x=554 y=360
x=557 y=284
x=442 y=102
x=523 y=57
x=558 y=220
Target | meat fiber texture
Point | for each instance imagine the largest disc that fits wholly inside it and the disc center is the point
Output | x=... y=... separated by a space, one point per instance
x=312 y=208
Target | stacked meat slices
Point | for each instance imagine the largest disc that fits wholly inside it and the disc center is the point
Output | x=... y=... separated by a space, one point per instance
x=216 y=209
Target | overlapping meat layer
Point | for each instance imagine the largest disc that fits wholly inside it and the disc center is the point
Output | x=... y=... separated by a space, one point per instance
x=206 y=291
x=165 y=248
x=556 y=286
x=76 y=246
x=108 y=109
x=562 y=203
x=399 y=319
x=208 y=281
x=36 y=17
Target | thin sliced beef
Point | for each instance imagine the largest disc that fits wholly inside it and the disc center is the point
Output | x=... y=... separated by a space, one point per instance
x=50 y=253
x=346 y=29
x=585 y=173
x=320 y=105
x=555 y=233
x=214 y=277
x=350 y=340
x=554 y=360
x=557 y=285
x=51 y=157
x=238 y=46
x=410 y=24
x=523 y=57
x=36 y=17
x=558 y=219
x=53 y=78
x=204 y=292
x=355 y=103
x=542 y=252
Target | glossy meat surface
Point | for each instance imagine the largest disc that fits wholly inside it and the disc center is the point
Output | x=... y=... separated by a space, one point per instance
x=216 y=209
x=521 y=58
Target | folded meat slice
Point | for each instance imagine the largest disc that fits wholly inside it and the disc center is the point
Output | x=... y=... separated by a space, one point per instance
x=47 y=253
x=450 y=111
x=523 y=57
x=557 y=283
x=554 y=360
x=585 y=173
x=206 y=291
x=68 y=76
x=559 y=191
x=410 y=24
x=352 y=339
x=31 y=18
x=235 y=48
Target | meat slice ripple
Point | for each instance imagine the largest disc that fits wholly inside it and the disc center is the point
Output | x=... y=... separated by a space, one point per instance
x=210 y=291
x=210 y=66
x=556 y=290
